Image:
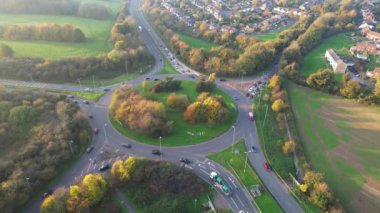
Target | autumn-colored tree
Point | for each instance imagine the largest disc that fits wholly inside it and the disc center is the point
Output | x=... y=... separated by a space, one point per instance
x=274 y=81
x=95 y=187
x=351 y=89
x=144 y=85
x=177 y=101
x=211 y=77
x=377 y=87
x=311 y=178
x=51 y=204
x=289 y=147
x=278 y=105
x=321 y=195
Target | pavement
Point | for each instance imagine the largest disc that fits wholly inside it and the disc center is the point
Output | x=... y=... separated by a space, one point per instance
x=108 y=142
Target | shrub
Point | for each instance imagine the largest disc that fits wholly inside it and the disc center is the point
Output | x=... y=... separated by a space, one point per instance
x=177 y=101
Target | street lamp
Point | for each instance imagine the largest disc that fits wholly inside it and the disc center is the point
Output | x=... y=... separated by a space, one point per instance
x=160 y=147
x=246 y=159
x=71 y=148
x=233 y=139
x=80 y=85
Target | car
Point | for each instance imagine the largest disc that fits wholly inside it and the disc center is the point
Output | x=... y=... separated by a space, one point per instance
x=156 y=152
x=254 y=150
x=156 y=79
x=192 y=76
x=266 y=166
x=75 y=102
x=47 y=193
x=128 y=146
x=222 y=79
x=236 y=98
x=147 y=78
x=106 y=89
x=96 y=131
x=90 y=116
x=86 y=102
x=184 y=160
x=87 y=90
x=104 y=167
x=89 y=149
x=71 y=96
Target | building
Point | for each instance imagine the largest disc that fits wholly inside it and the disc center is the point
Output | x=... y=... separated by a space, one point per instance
x=337 y=64
x=374 y=73
x=369 y=47
x=372 y=35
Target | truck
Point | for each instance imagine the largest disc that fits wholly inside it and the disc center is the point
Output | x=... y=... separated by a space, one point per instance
x=220 y=184
x=251 y=116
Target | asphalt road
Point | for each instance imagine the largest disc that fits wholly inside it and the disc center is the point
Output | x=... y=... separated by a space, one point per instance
x=109 y=140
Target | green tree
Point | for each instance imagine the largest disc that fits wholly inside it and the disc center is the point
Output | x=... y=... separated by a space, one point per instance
x=321 y=79
x=5 y=107
x=5 y=51
x=21 y=114
x=51 y=204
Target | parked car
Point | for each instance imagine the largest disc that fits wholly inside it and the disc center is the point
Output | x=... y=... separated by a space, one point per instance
x=86 y=102
x=96 y=131
x=128 y=146
x=47 y=193
x=254 y=150
x=267 y=166
x=106 y=89
x=222 y=79
x=156 y=79
x=89 y=149
x=185 y=160
x=156 y=152
x=71 y=96
x=104 y=167
x=90 y=116
x=147 y=78
x=236 y=98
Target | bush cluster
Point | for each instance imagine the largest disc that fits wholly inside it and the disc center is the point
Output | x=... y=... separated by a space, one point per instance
x=167 y=85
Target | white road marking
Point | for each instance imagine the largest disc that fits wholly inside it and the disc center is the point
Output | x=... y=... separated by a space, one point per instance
x=233 y=201
x=232 y=181
x=204 y=171
x=89 y=167
x=189 y=167
x=212 y=165
x=200 y=165
x=238 y=198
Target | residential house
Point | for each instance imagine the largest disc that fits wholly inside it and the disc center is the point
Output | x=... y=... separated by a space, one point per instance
x=372 y=35
x=374 y=73
x=369 y=47
x=337 y=64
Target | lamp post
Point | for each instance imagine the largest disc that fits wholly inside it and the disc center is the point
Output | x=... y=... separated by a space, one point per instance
x=233 y=139
x=80 y=85
x=160 y=138
x=246 y=159
x=71 y=148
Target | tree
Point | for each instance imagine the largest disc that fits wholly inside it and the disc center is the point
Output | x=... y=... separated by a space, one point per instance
x=274 y=81
x=51 y=204
x=321 y=195
x=289 y=147
x=177 y=101
x=351 y=89
x=377 y=87
x=321 y=79
x=5 y=51
x=311 y=178
x=278 y=105
x=21 y=115
x=95 y=188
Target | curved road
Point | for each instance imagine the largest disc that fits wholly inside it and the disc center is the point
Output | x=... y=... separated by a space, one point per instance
x=109 y=140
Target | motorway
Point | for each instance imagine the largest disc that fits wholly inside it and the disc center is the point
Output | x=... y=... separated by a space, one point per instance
x=108 y=142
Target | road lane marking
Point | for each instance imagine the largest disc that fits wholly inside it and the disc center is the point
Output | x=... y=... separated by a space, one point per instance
x=204 y=171
x=238 y=198
x=232 y=181
x=212 y=165
x=89 y=166
x=200 y=165
x=233 y=201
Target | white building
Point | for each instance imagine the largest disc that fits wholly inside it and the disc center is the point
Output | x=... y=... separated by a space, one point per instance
x=337 y=64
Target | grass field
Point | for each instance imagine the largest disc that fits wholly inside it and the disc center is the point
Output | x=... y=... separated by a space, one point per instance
x=341 y=139
x=97 y=33
x=372 y=64
x=271 y=35
x=195 y=42
x=272 y=137
x=179 y=135
x=235 y=163
x=315 y=59
x=168 y=68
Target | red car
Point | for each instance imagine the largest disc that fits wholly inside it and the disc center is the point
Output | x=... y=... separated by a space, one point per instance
x=96 y=131
x=266 y=166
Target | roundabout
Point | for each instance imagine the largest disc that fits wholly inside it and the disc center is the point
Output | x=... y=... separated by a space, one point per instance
x=183 y=133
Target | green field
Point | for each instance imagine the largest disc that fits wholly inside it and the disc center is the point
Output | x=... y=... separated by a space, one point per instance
x=272 y=137
x=372 y=64
x=179 y=135
x=271 y=35
x=341 y=140
x=167 y=68
x=315 y=59
x=97 y=33
x=196 y=42
x=235 y=163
